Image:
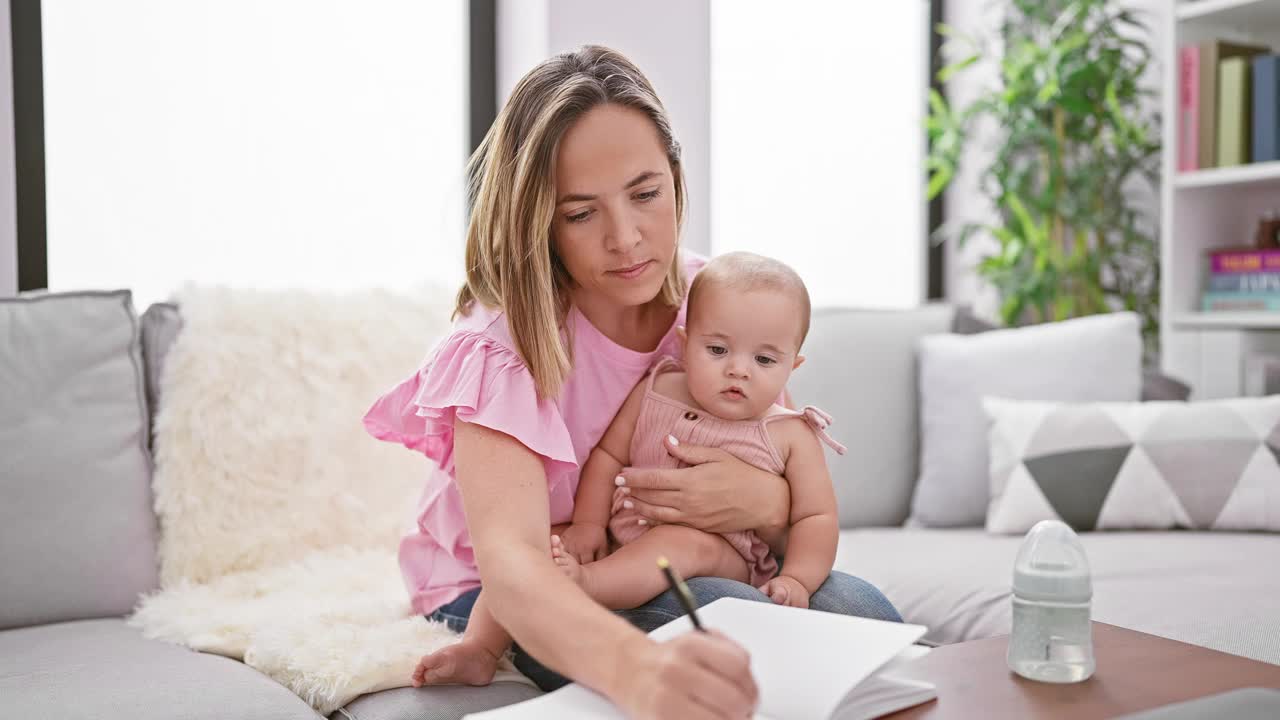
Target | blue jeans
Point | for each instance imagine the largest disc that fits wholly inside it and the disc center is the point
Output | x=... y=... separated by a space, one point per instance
x=841 y=593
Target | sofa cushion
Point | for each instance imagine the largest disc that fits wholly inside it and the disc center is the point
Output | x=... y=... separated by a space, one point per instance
x=77 y=534
x=104 y=669
x=449 y=702
x=1155 y=384
x=1095 y=358
x=1206 y=588
x=1132 y=466
x=860 y=367
x=160 y=326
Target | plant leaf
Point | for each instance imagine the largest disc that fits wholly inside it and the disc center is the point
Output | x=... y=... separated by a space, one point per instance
x=947 y=72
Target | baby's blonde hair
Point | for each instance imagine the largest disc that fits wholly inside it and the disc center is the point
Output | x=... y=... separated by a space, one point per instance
x=744 y=272
x=511 y=259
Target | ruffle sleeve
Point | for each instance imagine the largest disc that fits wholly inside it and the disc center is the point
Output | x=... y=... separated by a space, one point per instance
x=473 y=378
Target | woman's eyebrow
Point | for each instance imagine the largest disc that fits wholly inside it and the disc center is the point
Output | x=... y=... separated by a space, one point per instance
x=579 y=197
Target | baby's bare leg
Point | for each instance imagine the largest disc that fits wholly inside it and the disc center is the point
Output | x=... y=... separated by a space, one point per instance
x=472 y=660
x=630 y=576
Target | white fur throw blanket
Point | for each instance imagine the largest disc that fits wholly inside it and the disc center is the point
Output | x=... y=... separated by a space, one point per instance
x=279 y=515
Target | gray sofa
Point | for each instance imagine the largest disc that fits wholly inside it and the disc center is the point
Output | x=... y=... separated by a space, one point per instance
x=1219 y=590
x=78 y=536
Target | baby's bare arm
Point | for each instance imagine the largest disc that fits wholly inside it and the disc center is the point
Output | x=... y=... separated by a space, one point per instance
x=815 y=528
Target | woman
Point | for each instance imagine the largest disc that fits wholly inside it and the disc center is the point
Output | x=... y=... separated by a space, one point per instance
x=575 y=285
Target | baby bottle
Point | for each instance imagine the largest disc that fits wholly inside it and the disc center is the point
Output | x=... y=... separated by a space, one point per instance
x=1052 y=639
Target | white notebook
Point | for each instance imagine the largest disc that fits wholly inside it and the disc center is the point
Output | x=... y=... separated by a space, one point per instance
x=807 y=665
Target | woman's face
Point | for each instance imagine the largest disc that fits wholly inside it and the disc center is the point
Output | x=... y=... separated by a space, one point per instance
x=615 y=219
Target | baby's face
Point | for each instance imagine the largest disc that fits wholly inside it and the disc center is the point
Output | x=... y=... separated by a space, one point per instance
x=740 y=350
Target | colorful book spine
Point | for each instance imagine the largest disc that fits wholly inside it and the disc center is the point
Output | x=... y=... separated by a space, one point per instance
x=1233 y=112
x=1244 y=282
x=1266 y=108
x=1245 y=261
x=1212 y=52
x=1238 y=302
x=1189 y=108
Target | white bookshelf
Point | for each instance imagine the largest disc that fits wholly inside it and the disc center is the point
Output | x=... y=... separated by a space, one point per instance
x=1238 y=13
x=1229 y=320
x=1268 y=172
x=1210 y=208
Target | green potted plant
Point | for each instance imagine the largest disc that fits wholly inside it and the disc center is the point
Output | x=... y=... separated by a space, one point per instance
x=1077 y=137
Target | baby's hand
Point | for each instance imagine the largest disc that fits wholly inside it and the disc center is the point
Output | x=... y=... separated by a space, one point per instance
x=785 y=590
x=585 y=542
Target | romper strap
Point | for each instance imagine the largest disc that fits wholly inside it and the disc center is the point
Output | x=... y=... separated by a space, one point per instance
x=818 y=420
x=664 y=362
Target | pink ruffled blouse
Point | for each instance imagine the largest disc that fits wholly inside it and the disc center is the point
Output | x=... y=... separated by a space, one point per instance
x=475 y=374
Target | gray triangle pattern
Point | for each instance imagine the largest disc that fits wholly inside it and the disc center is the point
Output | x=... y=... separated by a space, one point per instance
x=1202 y=473
x=1273 y=442
x=1075 y=427
x=1257 y=496
x=1197 y=422
x=1076 y=482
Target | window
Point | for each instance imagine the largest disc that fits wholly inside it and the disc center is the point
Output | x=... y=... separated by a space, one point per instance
x=818 y=141
x=292 y=143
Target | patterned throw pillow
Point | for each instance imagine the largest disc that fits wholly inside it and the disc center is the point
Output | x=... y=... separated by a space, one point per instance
x=1153 y=465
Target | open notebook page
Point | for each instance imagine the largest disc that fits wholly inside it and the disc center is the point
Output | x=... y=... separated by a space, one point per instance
x=884 y=692
x=805 y=662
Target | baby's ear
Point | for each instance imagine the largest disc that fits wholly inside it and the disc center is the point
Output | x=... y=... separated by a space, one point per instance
x=799 y=362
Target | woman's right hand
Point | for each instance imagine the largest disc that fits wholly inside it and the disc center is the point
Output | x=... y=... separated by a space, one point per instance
x=700 y=675
x=719 y=493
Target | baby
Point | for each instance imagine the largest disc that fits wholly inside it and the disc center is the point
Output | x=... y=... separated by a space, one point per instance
x=747 y=318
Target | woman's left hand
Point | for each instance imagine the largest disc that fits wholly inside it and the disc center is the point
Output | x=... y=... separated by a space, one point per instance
x=719 y=493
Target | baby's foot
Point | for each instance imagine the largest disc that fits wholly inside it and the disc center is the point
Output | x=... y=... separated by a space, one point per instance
x=569 y=564
x=463 y=663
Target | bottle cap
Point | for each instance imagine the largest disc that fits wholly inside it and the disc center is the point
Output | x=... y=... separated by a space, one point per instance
x=1052 y=566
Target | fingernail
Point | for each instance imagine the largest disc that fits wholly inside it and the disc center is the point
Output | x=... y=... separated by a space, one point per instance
x=626 y=491
x=619 y=481
x=672 y=439
x=642 y=521
x=628 y=504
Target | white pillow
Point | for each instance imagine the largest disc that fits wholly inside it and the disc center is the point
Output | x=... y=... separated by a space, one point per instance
x=1135 y=466
x=1096 y=358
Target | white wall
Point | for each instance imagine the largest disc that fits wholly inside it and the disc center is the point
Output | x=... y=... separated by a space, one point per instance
x=667 y=39
x=964 y=200
x=295 y=143
x=8 y=200
x=797 y=141
x=818 y=143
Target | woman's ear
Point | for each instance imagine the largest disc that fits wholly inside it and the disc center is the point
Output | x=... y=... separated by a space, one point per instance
x=799 y=362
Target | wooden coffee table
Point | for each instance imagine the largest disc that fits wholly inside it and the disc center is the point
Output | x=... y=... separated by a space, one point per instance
x=1136 y=671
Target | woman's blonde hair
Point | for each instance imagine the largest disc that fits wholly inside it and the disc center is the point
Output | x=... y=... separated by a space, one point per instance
x=511 y=261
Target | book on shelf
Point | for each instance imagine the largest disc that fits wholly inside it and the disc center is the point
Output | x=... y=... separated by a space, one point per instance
x=1233 y=112
x=808 y=665
x=1266 y=108
x=1203 y=86
x=1189 y=108
x=1240 y=301
x=1244 y=260
x=1243 y=282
